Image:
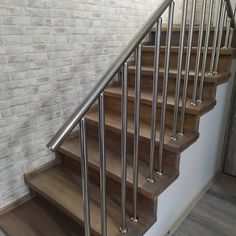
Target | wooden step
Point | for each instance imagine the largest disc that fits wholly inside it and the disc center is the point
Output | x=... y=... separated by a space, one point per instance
x=38 y=218
x=215 y=79
x=176 y=35
x=71 y=148
x=62 y=187
x=148 y=58
x=113 y=123
x=175 y=49
x=146 y=98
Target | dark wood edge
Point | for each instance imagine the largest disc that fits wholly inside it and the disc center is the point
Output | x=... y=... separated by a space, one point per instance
x=17 y=203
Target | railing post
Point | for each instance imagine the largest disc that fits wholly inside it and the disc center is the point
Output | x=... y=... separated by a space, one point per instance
x=231 y=37
x=101 y=136
x=84 y=175
x=187 y=67
x=123 y=228
x=134 y=218
x=204 y=61
x=220 y=38
x=165 y=86
x=211 y=70
x=179 y=70
x=226 y=45
x=199 y=52
x=154 y=98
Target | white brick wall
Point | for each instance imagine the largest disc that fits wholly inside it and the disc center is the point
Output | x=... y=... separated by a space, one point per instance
x=51 y=54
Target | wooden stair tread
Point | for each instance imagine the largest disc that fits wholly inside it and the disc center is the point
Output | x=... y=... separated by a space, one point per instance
x=177 y=27
x=62 y=187
x=215 y=79
x=71 y=148
x=146 y=98
x=113 y=122
x=175 y=49
x=37 y=218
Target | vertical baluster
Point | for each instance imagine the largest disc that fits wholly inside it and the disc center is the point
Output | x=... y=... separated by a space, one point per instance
x=227 y=33
x=231 y=37
x=204 y=61
x=187 y=66
x=223 y=15
x=216 y=32
x=84 y=175
x=138 y=60
x=123 y=228
x=154 y=98
x=102 y=165
x=179 y=69
x=199 y=52
x=165 y=86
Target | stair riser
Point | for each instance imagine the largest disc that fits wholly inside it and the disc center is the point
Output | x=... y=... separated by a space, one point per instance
x=113 y=186
x=147 y=60
x=114 y=103
x=147 y=83
x=113 y=139
x=176 y=35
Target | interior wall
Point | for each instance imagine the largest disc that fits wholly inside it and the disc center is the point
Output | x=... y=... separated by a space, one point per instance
x=199 y=163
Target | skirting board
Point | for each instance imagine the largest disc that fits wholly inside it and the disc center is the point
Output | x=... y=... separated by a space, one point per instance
x=16 y=203
x=190 y=205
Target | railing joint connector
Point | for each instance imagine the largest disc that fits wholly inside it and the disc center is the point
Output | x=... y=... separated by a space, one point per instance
x=123 y=230
x=134 y=219
x=173 y=138
x=151 y=180
x=159 y=173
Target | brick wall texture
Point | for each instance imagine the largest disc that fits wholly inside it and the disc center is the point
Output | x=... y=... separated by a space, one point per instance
x=51 y=54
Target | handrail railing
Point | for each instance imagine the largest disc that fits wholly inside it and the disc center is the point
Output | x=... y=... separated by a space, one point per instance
x=224 y=14
x=106 y=78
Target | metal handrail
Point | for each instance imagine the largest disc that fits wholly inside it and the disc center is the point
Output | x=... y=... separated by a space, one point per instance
x=231 y=13
x=74 y=119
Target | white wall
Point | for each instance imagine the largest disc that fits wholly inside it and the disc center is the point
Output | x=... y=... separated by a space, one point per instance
x=198 y=165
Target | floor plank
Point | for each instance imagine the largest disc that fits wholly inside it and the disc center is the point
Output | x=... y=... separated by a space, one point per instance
x=215 y=214
x=37 y=218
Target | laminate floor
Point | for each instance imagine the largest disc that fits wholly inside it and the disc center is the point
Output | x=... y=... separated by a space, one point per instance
x=215 y=214
x=38 y=218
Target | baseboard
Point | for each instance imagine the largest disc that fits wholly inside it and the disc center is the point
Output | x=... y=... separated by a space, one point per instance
x=189 y=206
x=16 y=203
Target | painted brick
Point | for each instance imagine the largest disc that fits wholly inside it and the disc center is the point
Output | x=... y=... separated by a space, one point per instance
x=52 y=52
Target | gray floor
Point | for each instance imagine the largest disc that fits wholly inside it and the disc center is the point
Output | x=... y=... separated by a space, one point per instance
x=215 y=214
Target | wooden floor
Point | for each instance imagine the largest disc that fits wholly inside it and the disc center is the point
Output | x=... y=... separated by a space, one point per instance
x=215 y=214
x=37 y=218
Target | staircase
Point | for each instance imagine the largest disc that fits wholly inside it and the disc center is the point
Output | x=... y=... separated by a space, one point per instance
x=107 y=175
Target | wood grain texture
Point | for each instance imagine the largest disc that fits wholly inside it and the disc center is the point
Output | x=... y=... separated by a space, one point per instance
x=38 y=218
x=113 y=122
x=71 y=149
x=215 y=214
x=62 y=187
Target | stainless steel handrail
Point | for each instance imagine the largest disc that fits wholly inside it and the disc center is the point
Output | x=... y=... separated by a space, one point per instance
x=231 y=13
x=74 y=119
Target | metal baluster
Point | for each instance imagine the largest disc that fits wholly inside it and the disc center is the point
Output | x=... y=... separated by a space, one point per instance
x=227 y=33
x=123 y=228
x=102 y=165
x=84 y=175
x=134 y=218
x=204 y=61
x=187 y=67
x=179 y=69
x=231 y=37
x=215 y=38
x=154 y=98
x=165 y=86
x=220 y=38
x=199 y=52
